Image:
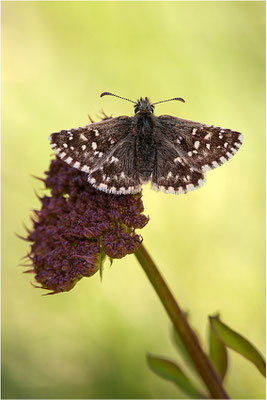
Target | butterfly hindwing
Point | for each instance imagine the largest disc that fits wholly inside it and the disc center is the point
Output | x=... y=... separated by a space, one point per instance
x=172 y=174
x=118 y=174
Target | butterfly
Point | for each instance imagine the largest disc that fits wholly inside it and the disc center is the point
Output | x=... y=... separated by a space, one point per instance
x=120 y=154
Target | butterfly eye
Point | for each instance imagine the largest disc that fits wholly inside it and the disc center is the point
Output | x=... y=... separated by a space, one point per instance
x=137 y=107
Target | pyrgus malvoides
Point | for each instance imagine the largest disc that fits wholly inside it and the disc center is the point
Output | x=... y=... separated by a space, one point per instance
x=120 y=154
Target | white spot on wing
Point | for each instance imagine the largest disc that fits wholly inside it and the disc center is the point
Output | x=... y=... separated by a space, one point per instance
x=68 y=160
x=201 y=182
x=128 y=191
x=94 y=145
x=91 y=180
x=171 y=190
x=180 y=190
x=208 y=136
x=237 y=144
x=155 y=187
x=190 y=187
x=196 y=144
x=103 y=187
x=83 y=137
x=206 y=168
x=122 y=190
x=85 y=168
x=76 y=164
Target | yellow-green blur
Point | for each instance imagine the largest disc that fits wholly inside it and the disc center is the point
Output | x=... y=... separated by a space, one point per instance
x=57 y=57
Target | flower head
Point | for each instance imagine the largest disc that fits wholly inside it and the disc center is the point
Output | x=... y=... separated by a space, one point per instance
x=77 y=226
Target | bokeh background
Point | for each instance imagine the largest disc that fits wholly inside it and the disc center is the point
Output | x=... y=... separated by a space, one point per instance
x=209 y=244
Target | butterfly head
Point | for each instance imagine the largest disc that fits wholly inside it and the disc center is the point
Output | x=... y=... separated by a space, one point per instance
x=143 y=106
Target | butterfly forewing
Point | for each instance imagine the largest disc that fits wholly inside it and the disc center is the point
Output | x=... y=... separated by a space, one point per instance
x=118 y=174
x=97 y=149
x=172 y=172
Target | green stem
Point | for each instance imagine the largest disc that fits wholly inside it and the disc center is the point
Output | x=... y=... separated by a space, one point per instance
x=188 y=336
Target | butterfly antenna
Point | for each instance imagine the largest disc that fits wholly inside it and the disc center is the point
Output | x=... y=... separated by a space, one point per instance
x=111 y=94
x=164 y=101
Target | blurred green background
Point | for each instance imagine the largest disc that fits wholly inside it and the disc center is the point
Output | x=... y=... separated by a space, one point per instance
x=209 y=244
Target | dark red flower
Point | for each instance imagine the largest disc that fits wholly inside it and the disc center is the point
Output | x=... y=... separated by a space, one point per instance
x=77 y=225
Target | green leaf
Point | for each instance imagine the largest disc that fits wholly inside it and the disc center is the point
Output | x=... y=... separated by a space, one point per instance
x=238 y=343
x=218 y=354
x=171 y=371
x=181 y=347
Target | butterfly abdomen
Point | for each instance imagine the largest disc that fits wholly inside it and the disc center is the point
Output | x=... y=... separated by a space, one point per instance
x=145 y=146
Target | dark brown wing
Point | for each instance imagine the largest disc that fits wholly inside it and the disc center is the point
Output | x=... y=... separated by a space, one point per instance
x=186 y=150
x=100 y=150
